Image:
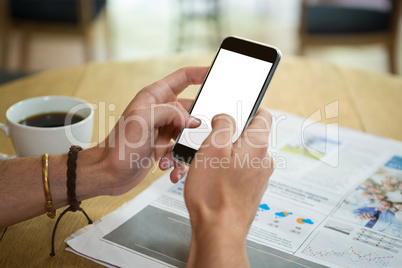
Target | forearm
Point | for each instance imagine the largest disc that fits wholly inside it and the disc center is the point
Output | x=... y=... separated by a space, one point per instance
x=21 y=185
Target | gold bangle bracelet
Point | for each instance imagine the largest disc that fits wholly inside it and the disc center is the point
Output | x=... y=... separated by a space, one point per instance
x=49 y=202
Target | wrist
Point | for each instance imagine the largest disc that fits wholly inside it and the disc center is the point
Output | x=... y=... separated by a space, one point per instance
x=92 y=174
x=218 y=243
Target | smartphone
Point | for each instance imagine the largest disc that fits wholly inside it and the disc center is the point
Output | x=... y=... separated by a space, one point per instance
x=235 y=84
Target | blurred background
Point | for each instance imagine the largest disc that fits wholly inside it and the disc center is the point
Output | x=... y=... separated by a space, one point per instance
x=38 y=35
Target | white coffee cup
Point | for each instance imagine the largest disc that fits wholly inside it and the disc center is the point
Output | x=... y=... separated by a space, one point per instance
x=34 y=141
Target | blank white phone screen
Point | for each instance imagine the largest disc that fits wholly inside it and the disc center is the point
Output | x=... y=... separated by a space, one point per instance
x=232 y=87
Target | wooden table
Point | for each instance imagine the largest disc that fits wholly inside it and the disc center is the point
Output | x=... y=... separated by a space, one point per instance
x=368 y=102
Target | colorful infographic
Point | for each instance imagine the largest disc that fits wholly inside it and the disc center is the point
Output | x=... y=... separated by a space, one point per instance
x=284 y=223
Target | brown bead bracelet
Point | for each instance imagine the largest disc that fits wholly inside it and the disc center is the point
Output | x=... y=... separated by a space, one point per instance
x=72 y=197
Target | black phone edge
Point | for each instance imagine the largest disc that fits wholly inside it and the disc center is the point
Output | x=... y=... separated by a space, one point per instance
x=189 y=153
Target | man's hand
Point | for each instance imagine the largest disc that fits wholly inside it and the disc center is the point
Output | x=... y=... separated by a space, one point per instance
x=223 y=189
x=366 y=216
x=144 y=132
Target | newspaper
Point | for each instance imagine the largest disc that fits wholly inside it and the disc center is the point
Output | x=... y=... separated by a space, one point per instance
x=335 y=199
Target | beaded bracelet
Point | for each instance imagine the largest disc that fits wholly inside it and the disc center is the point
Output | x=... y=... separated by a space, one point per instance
x=50 y=212
x=71 y=195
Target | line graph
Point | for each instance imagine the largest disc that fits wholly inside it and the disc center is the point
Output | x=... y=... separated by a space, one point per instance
x=351 y=254
x=346 y=252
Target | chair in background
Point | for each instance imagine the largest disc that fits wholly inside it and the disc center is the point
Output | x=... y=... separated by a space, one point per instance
x=190 y=11
x=49 y=16
x=335 y=22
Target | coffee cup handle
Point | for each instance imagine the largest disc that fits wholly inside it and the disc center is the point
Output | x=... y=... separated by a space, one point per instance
x=5 y=130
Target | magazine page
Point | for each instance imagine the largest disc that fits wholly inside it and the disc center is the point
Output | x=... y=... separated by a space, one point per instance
x=365 y=229
x=321 y=197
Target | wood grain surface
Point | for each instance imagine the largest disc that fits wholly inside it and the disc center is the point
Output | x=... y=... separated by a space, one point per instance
x=366 y=101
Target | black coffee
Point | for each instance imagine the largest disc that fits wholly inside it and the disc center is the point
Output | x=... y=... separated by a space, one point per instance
x=51 y=120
